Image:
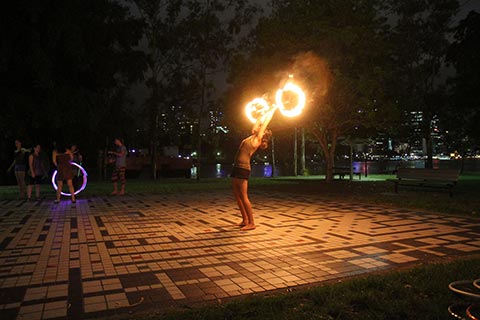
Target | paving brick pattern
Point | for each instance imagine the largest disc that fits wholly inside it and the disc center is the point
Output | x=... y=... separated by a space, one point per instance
x=108 y=255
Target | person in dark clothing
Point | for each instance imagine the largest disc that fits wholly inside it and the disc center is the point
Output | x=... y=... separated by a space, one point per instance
x=241 y=167
x=120 y=167
x=64 y=171
x=36 y=172
x=77 y=158
x=20 y=166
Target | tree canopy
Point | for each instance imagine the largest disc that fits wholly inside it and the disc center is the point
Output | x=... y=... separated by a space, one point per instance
x=187 y=43
x=420 y=40
x=66 y=68
x=335 y=50
x=464 y=108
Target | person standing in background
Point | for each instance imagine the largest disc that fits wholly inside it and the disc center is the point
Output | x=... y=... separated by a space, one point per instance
x=20 y=166
x=120 y=167
x=36 y=172
x=64 y=171
x=77 y=158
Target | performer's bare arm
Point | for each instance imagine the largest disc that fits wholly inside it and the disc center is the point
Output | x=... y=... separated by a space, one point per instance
x=30 y=165
x=54 y=157
x=265 y=120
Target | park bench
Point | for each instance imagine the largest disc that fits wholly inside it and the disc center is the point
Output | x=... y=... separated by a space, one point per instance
x=341 y=172
x=426 y=178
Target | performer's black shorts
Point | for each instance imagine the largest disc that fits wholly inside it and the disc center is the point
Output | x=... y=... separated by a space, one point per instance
x=240 y=173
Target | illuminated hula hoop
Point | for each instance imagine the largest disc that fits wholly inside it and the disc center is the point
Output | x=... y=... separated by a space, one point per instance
x=301 y=100
x=84 y=183
x=252 y=107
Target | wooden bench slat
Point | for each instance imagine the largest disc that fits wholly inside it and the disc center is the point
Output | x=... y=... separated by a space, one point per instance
x=428 y=174
x=431 y=178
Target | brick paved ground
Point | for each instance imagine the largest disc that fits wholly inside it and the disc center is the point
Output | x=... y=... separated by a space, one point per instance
x=109 y=255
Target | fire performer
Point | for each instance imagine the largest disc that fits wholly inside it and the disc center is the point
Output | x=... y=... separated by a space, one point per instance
x=241 y=167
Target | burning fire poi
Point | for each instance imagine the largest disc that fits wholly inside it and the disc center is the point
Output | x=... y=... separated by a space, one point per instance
x=294 y=111
x=258 y=107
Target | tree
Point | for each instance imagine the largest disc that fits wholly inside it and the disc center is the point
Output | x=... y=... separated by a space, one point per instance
x=187 y=42
x=162 y=47
x=66 y=67
x=420 y=38
x=210 y=31
x=464 y=109
x=335 y=51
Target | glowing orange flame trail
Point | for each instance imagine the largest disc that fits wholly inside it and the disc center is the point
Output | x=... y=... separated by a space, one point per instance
x=256 y=108
x=300 y=104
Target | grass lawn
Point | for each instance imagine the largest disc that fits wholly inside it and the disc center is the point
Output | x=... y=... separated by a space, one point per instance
x=418 y=293
x=376 y=190
x=373 y=190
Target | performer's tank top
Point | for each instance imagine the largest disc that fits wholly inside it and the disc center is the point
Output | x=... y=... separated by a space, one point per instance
x=244 y=153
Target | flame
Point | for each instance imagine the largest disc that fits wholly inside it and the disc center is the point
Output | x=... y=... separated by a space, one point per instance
x=295 y=111
x=256 y=108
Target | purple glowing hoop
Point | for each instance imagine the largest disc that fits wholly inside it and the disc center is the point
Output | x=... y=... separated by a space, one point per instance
x=84 y=184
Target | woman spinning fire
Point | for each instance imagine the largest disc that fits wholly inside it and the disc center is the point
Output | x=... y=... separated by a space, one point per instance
x=241 y=167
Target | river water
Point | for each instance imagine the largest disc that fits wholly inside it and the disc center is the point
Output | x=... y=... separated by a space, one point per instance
x=365 y=167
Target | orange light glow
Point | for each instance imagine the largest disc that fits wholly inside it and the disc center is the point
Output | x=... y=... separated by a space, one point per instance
x=256 y=108
x=284 y=104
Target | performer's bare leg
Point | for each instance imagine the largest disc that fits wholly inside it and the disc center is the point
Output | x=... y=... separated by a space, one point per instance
x=71 y=189
x=237 y=185
x=29 y=192
x=247 y=205
x=59 y=190
x=20 y=176
x=122 y=181
x=115 y=190
x=37 y=191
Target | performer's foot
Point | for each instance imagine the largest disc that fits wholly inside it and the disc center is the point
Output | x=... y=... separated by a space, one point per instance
x=248 y=227
x=122 y=193
x=242 y=224
x=113 y=193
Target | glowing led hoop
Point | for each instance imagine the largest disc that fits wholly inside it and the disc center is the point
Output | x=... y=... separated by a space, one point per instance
x=301 y=100
x=84 y=183
x=255 y=108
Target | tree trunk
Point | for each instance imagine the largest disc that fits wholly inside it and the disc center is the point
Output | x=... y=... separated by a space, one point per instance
x=273 y=157
x=427 y=135
x=200 y=115
x=153 y=143
x=153 y=158
x=328 y=143
x=295 y=152
x=302 y=158
x=153 y=113
x=429 y=160
x=330 y=162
